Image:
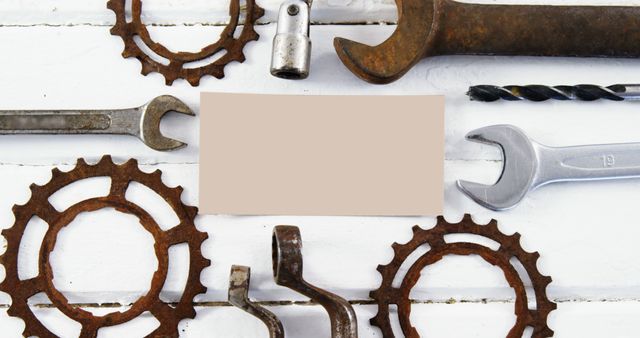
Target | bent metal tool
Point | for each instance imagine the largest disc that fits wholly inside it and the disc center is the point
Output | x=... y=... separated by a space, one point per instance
x=440 y=246
x=142 y=122
x=529 y=165
x=168 y=316
x=183 y=65
x=287 y=271
x=239 y=281
x=445 y=27
x=540 y=93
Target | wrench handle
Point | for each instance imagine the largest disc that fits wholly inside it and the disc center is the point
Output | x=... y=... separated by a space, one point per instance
x=536 y=30
x=596 y=162
x=70 y=122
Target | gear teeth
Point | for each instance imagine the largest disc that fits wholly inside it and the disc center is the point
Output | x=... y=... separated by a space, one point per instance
x=467 y=219
x=509 y=247
x=194 y=81
x=128 y=52
x=192 y=212
x=516 y=237
x=375 y=321
x=131 y=163
x=81 y=162
x=156 y=174
x=55 y=173
x=105 y=160
x=104 y=167
x=147 y=69
x=492 y=226
x=234 y=46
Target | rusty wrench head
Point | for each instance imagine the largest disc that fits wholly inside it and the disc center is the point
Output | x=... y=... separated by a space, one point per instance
x=239 y=281
x=287 y=271
x=387 y=62
x=150 y=116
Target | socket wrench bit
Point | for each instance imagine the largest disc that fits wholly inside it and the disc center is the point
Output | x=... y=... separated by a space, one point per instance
x=291 y=55
x=142 y=122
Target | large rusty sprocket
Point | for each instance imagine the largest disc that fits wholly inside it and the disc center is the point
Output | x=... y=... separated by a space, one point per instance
x=121 y=176
x=509 y=248
x=176 y=69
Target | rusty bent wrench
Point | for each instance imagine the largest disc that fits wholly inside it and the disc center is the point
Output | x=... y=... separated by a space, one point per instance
x=287 y=271
x=445 y=27
x=529 y=165
x=142 y=122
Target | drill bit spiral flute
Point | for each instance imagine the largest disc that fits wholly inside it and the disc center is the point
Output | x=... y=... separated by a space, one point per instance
x=539 y=93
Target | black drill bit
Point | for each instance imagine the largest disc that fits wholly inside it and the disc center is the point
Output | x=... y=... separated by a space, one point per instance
x=539 y=93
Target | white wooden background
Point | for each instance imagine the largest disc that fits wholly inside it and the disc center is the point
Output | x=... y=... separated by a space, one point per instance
x=59 y=54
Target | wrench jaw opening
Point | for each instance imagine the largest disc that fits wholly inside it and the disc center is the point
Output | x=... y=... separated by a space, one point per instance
x=520 y=165
x=410 y=42
x=151 y=116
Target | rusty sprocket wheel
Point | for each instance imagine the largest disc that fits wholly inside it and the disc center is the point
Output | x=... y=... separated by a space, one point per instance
x=176 y=69
x=509 y=248
x=121 y=176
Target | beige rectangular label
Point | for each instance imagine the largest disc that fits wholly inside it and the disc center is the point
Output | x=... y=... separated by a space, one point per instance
x=321 y=155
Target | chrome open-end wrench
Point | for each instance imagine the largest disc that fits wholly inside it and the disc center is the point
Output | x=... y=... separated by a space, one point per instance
x=142 y=122
x=529 y=165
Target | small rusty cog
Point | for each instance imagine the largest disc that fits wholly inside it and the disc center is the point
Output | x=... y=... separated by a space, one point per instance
x=509 y=248
x=168 y=316
x=176 y=69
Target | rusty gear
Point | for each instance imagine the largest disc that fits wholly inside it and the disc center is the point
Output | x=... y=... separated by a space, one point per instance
x=176 y=67
x=121 y=175
x=509 y=248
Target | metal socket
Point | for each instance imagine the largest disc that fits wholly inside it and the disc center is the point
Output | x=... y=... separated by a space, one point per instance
x=291 y=55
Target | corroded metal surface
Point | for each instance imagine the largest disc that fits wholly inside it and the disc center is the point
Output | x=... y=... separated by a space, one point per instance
x=287 y=271
x=177 y=66
x=439 y=247
x=446 y=27
x=239 y=281
x=121 y=175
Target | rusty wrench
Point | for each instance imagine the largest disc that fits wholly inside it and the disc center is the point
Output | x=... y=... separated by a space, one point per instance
x=142 y=122
x=446 y=27
x=239 y=281
x=287 y=271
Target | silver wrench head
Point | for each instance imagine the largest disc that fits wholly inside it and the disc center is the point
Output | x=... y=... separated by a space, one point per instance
x=150 y=118
x=520 y=163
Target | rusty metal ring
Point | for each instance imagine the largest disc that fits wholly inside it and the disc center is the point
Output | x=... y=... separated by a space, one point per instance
x=121 y=176
x=509 y=248
x=176 y=68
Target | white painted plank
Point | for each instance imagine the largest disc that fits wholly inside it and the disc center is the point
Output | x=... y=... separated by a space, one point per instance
x=591 y=256
x=83 y=69
x=617 y=319
x=585 y=232
x=207 y=12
